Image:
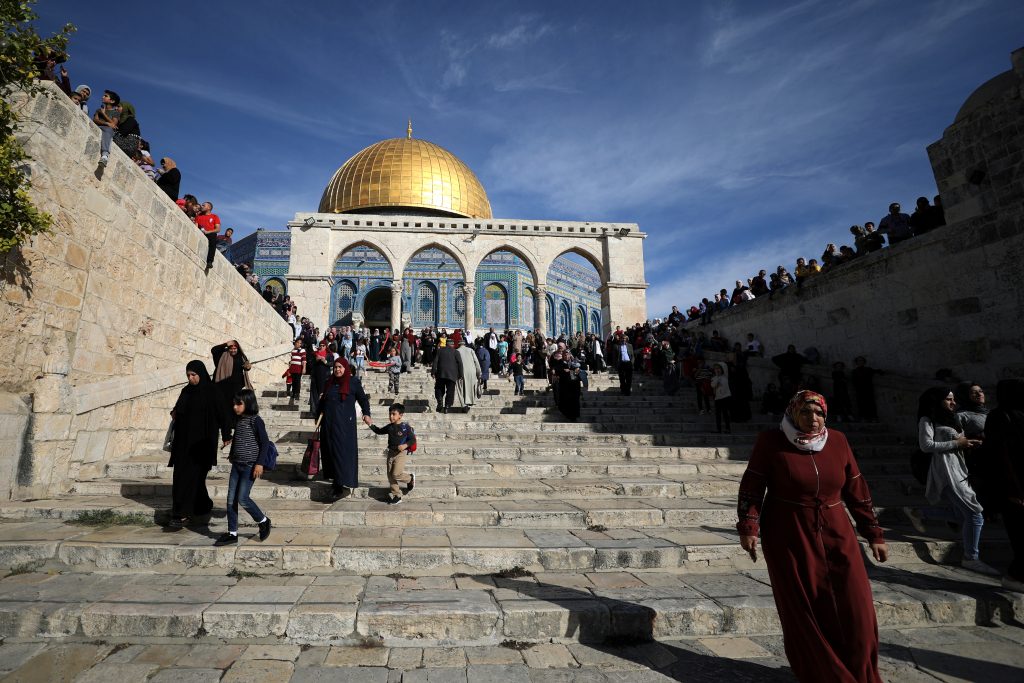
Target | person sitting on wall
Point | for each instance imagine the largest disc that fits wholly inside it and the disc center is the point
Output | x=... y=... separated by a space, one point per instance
x=896 y=226
x=872 y=240
x=224 y=241
x=758 y=285
x=924 y=219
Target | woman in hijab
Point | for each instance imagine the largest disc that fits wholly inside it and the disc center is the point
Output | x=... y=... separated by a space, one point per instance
x=170 y=178
x=338 y=440
x=793 y=492
x=407 y=350
x=1004 y=443
x=320 y=371
x=128 y=136
x=229 y=375
x=940 y=433
x=197 y=417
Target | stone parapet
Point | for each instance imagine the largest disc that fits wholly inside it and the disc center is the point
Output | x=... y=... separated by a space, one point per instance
x=104 y=311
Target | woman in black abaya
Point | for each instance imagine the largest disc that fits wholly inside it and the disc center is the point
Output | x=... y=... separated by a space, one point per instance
x=197 y=418
x=339 y=444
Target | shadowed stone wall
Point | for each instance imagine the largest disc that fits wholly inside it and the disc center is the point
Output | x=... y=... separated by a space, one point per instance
x=952 y=298
x=101 y=316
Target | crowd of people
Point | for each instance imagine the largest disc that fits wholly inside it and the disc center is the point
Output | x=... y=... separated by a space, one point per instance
x=119 y=125
x=896 y=226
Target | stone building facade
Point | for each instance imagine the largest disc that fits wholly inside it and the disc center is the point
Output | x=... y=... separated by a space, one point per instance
x=433 y=287
x=404 y=237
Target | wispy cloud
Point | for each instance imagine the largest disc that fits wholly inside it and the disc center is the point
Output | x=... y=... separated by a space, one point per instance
x=525 y=31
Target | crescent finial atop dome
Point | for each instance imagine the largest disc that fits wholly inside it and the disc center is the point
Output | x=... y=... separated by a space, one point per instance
x=408 y=131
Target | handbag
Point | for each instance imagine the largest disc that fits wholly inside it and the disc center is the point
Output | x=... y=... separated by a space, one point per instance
x=169 y=437
x=310 y=465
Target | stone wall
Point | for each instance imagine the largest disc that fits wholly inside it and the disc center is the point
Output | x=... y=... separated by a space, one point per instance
x=103 y=313
x=951 y=298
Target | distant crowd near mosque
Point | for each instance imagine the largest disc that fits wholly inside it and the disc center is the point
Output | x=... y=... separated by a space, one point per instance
x=896 y=226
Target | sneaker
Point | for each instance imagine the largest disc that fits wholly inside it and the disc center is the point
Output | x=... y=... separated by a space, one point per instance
x=392 y=499
x=264 y=529
x=916 y=520
x=980 y=567
x=226 y=539
x=104 y=159
x=177 y=523
x=412 y=482
x=1013 y=584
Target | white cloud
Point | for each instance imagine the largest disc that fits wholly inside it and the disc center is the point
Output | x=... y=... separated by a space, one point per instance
x=526 y=31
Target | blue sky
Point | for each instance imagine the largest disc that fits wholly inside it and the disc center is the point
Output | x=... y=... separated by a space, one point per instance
x=739 y=135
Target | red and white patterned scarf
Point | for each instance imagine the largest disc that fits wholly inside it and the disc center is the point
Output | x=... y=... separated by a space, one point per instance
x=805 y=441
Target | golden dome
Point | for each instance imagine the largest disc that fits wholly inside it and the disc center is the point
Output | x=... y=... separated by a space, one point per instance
x=406 y=173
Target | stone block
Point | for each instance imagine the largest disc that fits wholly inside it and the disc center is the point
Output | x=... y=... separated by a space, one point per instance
x=586 y=621
x=429 y=615
x=317 y=623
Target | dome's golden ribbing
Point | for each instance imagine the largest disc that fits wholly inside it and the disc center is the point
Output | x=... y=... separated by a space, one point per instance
x=406 y=173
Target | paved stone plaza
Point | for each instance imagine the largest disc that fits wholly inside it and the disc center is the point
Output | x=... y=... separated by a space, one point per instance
x=907 y=656
x=531 y=549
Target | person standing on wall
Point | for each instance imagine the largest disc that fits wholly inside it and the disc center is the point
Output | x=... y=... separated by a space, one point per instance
x=209 y=223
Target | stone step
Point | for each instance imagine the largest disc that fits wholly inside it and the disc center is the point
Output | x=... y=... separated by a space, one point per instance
x=529 y=538
x=518 y=481
x=467 y=610
x=556 y=465
x=297 y=508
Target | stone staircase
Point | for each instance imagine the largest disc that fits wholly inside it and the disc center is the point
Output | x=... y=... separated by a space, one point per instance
x=616 y=528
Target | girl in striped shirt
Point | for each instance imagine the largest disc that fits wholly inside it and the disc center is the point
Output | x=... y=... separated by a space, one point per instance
x=250 y=446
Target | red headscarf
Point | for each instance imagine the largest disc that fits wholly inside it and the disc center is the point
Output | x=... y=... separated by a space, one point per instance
x=341 y=384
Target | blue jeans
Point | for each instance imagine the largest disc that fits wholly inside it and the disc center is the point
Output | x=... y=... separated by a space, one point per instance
x=239 y=486
x=970 y=521
x=519 y=383
x=106 y=136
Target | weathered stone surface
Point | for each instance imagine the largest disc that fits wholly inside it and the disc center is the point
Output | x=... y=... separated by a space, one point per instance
x=430 y=615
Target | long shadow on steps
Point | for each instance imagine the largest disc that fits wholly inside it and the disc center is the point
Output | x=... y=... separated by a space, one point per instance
x=628 y=632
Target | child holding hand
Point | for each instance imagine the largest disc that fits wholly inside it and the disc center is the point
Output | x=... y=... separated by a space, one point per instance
x=401 y=441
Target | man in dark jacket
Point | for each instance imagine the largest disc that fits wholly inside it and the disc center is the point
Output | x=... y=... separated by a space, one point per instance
x=445 y=371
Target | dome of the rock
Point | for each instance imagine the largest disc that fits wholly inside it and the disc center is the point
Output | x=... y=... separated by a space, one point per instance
x=407 y=174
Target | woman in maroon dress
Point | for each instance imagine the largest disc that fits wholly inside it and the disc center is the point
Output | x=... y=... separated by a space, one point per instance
x=792 y=492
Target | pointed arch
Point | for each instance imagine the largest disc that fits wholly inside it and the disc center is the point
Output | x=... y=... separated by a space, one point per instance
x=385 y=253
x=448 y=250
x=592 y=257
x=523 y=255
